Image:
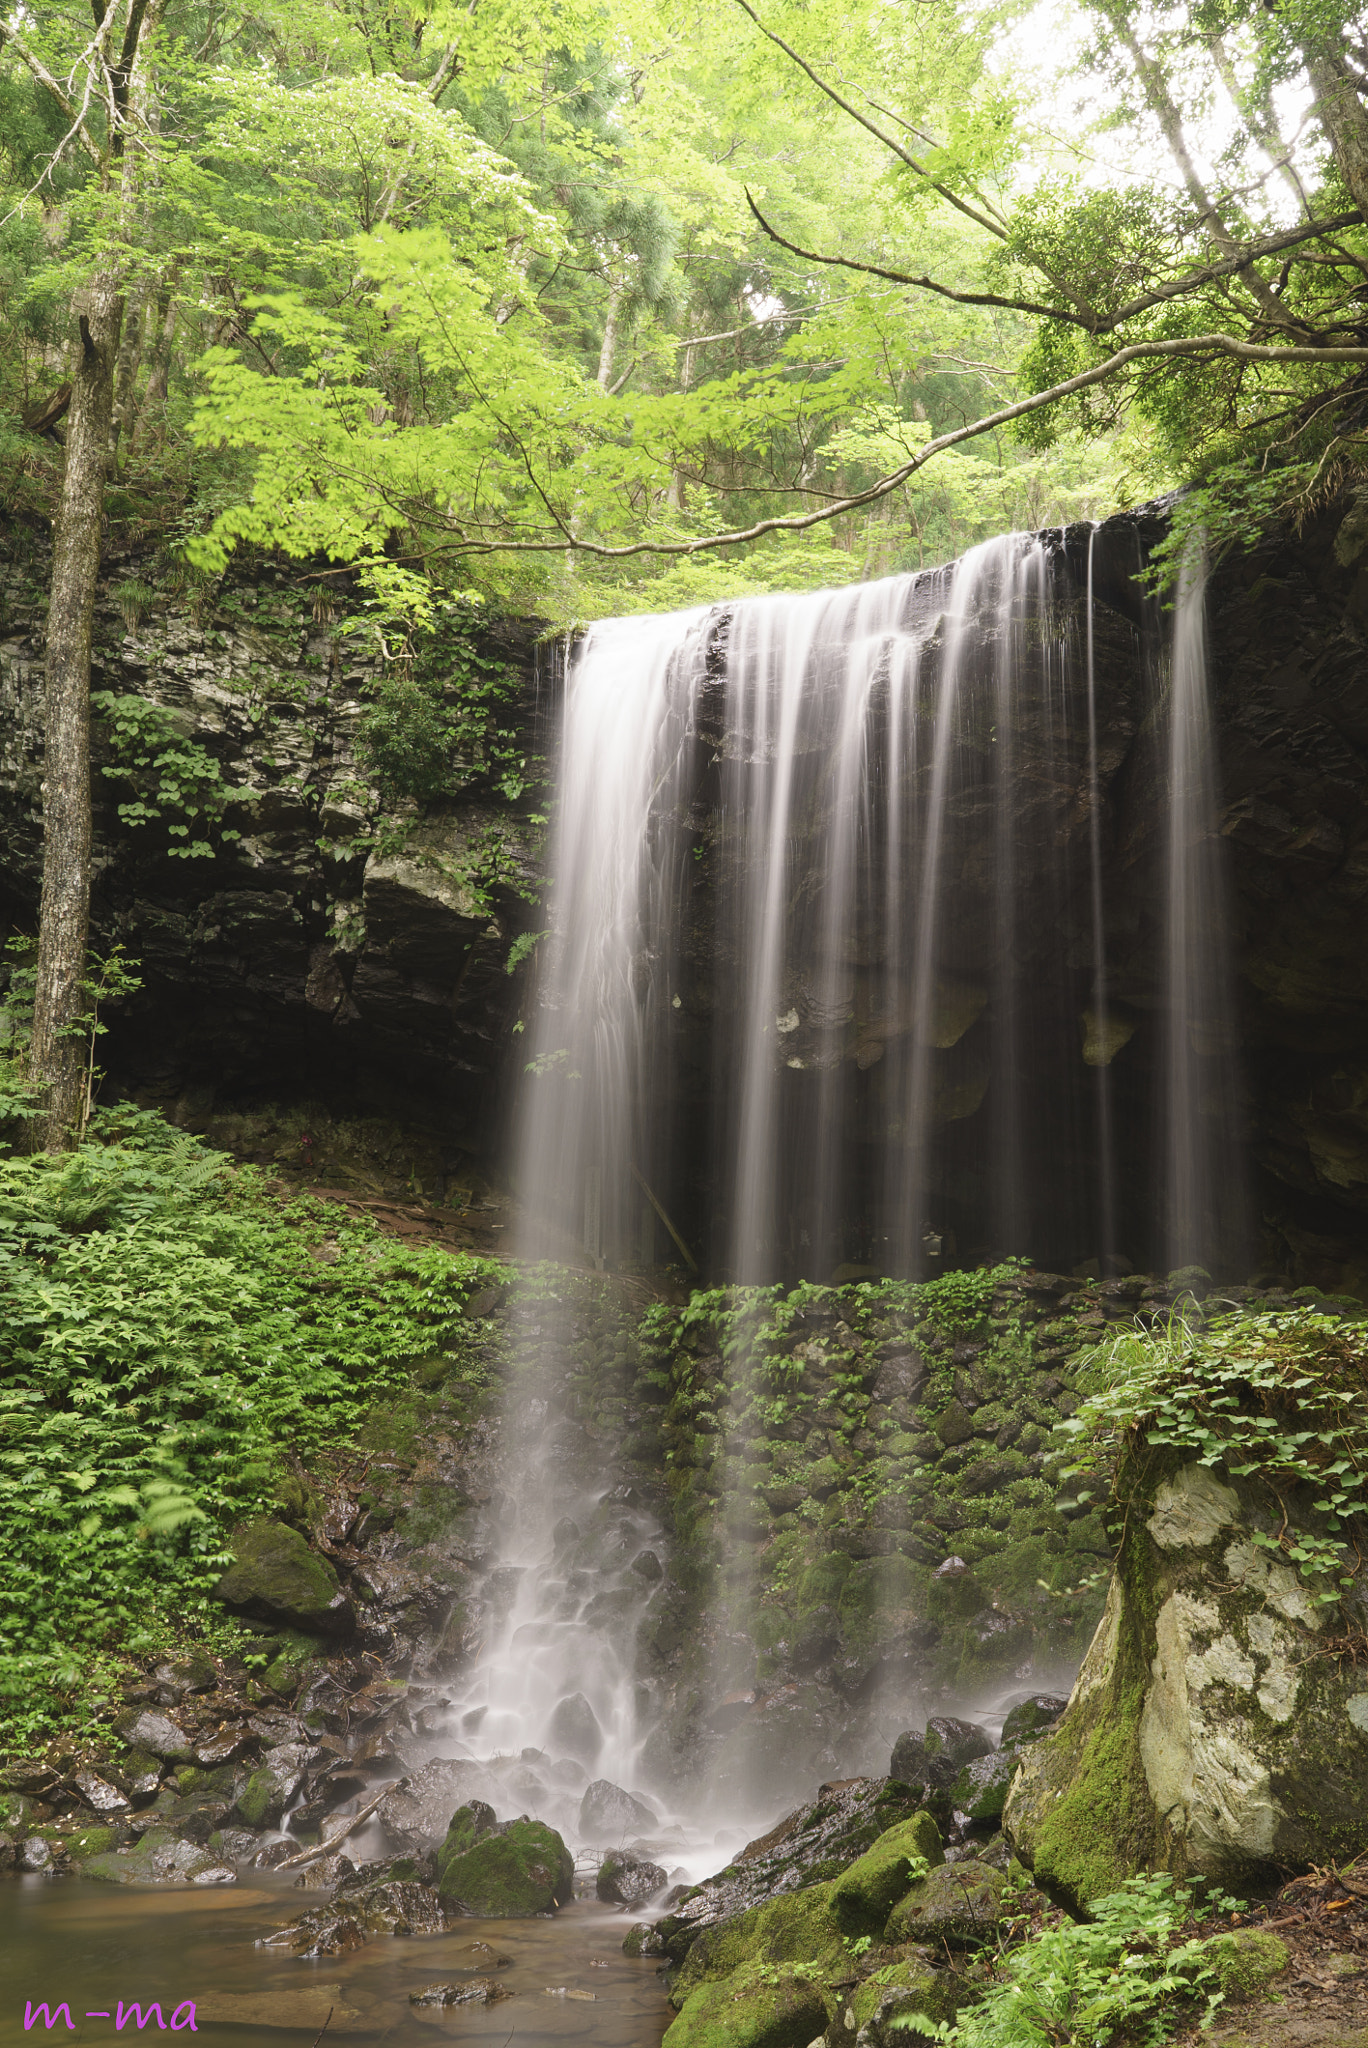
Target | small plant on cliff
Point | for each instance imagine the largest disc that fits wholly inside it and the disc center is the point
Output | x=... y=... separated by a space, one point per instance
x=1276 y=1398
x=176 y=782
x=436 y=722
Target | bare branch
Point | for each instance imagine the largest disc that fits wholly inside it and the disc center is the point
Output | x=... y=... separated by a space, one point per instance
x=1268 y=245
x=49 y=84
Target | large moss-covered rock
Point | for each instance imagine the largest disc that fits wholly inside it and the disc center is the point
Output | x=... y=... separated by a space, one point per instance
x=276 y=1577
x=761 y=2005
x=1212 y=1730
x=508 y=1870
x=980 y=1790
x=958 y=1904
x=862 y=1897
x=797 y=1927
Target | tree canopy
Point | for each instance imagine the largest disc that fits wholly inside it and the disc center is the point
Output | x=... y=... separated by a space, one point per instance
x=589 y=305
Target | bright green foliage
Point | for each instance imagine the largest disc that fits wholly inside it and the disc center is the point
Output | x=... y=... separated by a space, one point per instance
x=1117 y=1976
x=434 y=724
x=170 y=1338
x=177 y=782
x=1275 y=1398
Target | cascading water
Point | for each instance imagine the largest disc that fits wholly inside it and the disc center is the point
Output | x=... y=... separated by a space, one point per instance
x=842 y=968
x=1206 y=1221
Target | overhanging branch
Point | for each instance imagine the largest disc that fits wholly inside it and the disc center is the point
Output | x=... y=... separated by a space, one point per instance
x=1208 y=345
x=1192 y=280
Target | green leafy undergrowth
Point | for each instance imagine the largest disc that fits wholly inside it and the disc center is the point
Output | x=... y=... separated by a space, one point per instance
x=174 y=1333
x=1122 y=1975
x=1277 y=1398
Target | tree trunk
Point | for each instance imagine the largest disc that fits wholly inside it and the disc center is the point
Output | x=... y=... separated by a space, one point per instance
x=1342 y=115
x=58 y=1054
x=609 y=347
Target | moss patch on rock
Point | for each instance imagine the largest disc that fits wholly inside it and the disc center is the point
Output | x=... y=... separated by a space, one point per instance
x=761 y=2005
x=1245 y=1960
x=276 y=1577
x=958 y=1904
x=519 y=1869
x=862 y=1897
x=797 y=1927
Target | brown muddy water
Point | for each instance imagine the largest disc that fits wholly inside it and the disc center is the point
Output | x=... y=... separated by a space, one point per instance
x=92 y=1945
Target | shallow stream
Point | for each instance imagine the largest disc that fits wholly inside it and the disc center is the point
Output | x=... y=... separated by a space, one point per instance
x=93 y=1945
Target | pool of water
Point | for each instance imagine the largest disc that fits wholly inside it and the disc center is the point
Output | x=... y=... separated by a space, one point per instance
x=93 y=1945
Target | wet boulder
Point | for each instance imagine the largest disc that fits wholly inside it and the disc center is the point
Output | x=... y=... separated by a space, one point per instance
x=160 y=1858
x=862 y=1896
x=955 y=1743
x=275 y=1576
x=627 y=1880
x=608 y=1814
x=957 y=1905
x=417 y=1812
x=1031 y=1717
x=503 y=1870
x=797 y=1927
x=980 y=1791
x=761 y=2005
x=153 y=1733
x=474 y=1991
x=1212 y=1730
x=575 y=1730
x=360 y=1909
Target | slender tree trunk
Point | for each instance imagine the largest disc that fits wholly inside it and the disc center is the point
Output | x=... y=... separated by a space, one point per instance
x=609 y=348
x=57 y=1057
x=1343 y=116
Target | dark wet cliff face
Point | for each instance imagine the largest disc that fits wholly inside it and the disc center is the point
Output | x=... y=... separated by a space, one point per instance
x=339 y=957
x=354 y=961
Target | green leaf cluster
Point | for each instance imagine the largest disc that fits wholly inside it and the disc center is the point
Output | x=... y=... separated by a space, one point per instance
x=1278 y=1399
x=175 y=1336
x=1120 y=1975
x=177 y=783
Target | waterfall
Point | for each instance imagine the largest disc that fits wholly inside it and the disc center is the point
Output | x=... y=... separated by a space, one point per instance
x=829 y=978
x=888 y=927
x=1206 y=1223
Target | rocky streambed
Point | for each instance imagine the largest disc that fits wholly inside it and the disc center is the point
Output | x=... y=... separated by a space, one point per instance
x=831 y=1536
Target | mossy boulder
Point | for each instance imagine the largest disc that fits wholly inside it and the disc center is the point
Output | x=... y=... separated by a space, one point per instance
x=797 y=1927
x=761 y=2005
x=261 y=1802
x=276 y=1577
x=159 y=1858
x=1245 y=1961
x=1208 y=1733
x=870 y=2011
x=980 y=1790
x=510 y=1870
x=863 y=1895
x=91 y=1842
x=958 y=1904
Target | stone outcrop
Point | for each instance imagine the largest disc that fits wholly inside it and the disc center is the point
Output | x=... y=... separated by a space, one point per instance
x=1219 y=1725
x=503 y=1870
x=337 y=951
